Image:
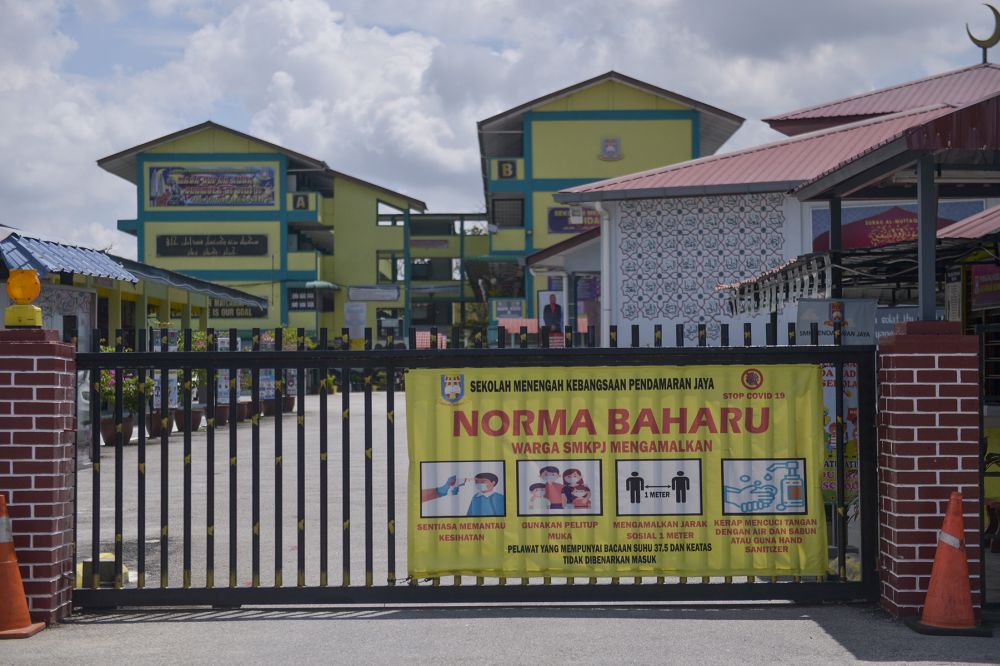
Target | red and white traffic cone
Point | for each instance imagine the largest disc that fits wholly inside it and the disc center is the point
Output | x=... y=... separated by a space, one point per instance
x=14 y=619
x=948 y=606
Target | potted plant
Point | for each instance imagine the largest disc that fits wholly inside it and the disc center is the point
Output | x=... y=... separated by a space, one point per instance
x=132 y=392
x=155 y=423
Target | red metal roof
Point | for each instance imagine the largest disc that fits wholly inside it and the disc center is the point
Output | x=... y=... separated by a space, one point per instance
x=974 y=226
x=957 y=88
x=774 y=167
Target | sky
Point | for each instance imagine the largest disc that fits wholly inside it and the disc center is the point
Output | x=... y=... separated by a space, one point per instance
x=390 y=91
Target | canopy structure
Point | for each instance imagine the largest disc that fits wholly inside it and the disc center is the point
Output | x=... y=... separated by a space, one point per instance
x=44 y=257
x=892 y=267
x=187 y=283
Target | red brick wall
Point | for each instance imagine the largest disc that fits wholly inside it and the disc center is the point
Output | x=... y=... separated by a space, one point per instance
x=928 y=447
x=36 y=463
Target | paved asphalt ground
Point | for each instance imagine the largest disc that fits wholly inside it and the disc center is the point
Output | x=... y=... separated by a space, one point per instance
x=691 y=634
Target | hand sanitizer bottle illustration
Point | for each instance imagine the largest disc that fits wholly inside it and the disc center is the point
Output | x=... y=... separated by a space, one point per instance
x=792 y=487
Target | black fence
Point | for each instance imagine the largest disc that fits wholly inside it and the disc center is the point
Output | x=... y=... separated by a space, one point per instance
x=335 y=522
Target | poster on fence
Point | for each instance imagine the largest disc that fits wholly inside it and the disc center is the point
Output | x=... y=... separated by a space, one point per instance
x=626 y=471
x=851 y=433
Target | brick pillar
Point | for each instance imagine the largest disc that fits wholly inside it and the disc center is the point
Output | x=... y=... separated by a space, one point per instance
x=928 y=436
x=37 y=375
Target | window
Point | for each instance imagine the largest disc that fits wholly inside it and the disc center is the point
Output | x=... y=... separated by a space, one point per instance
x=508 y=212
x=422 y=227
x=387 y=320
x=390 y=266
x=301 y=299
x=430 y=313
x=308 y=299
x=439 y=269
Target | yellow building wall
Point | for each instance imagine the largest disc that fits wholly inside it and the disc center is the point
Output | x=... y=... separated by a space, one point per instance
x=450 y=250
x=302 y=261
x=506 y=240
x=477 y=246
x=271 y=229
x=570 y=148
x=358 y=237
x=611 y=96
x=212 y=141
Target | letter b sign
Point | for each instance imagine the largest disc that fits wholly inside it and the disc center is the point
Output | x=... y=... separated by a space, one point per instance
x=506 y=169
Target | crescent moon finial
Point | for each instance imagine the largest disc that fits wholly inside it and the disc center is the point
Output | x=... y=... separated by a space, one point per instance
x=993 y=39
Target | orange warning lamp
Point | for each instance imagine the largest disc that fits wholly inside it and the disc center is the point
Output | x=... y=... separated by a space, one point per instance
x=23 y=287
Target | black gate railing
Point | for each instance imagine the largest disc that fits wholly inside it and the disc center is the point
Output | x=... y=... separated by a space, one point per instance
x=168 y=543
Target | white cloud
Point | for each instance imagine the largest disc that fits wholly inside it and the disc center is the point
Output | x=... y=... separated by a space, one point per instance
x=393 y=96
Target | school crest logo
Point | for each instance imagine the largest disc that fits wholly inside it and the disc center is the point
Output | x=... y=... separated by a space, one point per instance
x=611 y=149
x=452 y=388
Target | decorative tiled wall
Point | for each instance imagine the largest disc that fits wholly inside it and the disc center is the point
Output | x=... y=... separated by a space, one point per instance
x=675 y=251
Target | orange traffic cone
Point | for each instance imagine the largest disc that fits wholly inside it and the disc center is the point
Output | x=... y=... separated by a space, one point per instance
x=14 y=619
x=948 y=606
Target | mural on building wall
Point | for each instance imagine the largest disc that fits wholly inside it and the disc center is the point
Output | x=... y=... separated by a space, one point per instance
x=180 y=185
x=675 y=251
x=59 y=302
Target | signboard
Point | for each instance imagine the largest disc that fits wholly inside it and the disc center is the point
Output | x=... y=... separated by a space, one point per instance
x=507 y=308
x=225 y=310
x=850 y=418
x=172 y=398
x=886 y=318
x=561 y=222
x=267 y=375
x=506 y=169
x=985 y=287
x=693 y=470
x=374 y=292
x=874 y=226
x=355 y=317
x=856 y=317
x=953 y=285
x=222 y=383
x=211 y=245
x=193 y=184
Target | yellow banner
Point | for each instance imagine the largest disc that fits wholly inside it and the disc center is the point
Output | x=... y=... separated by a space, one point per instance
x=689 y=471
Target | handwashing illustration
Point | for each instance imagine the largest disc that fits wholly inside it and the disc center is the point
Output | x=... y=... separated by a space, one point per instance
x=764 y=486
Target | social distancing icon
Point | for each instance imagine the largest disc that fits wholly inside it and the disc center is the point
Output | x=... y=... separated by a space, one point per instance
x=659 y=487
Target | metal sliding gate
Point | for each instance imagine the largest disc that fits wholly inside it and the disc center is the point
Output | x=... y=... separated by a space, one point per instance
x=309 y=506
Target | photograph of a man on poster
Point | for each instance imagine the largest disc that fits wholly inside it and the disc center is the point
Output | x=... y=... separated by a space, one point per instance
x=550 y=310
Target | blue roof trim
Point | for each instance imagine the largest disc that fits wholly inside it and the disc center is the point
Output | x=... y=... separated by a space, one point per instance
x=48 y=257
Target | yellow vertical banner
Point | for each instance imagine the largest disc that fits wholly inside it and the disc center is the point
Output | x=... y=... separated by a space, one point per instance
x=712 y=470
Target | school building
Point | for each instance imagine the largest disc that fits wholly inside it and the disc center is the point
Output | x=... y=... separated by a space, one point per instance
x=220 y=205
x=607 y=126
x=329 y=250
